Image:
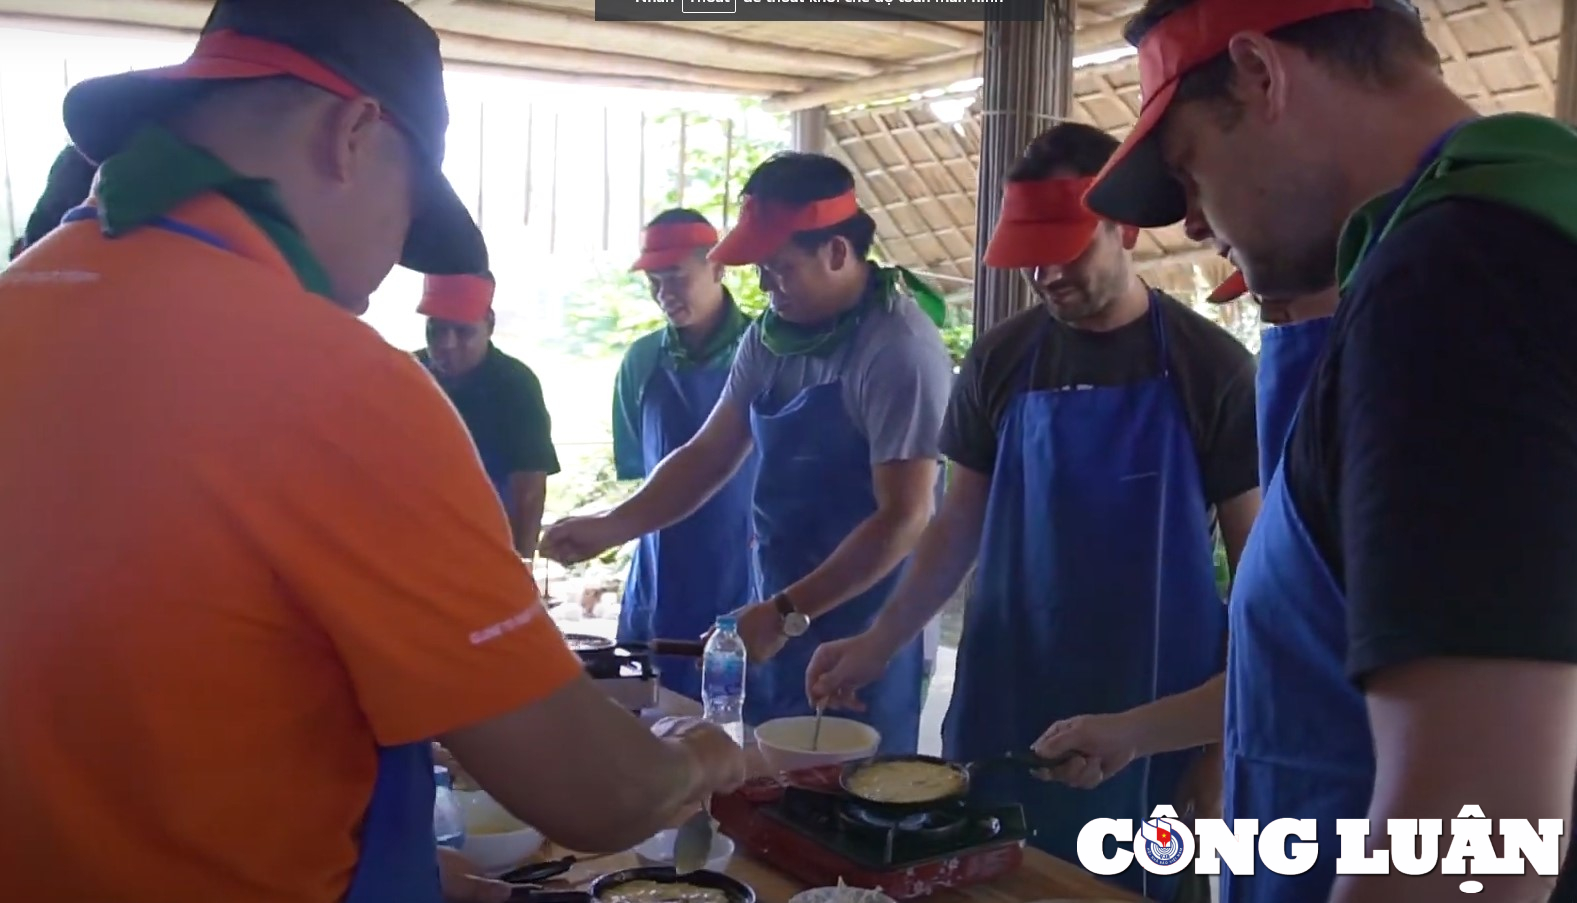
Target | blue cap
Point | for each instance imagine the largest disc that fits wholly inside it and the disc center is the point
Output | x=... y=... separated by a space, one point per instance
x=727 y=622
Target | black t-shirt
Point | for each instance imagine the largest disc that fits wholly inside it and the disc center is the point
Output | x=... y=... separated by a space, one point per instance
x=1435 y=462
x=501 y=404
x=1212 y=371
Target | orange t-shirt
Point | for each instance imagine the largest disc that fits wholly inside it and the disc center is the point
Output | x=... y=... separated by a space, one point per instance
x=243 y=542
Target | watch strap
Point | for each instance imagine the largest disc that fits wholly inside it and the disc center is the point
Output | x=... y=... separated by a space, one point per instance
x=784 y=606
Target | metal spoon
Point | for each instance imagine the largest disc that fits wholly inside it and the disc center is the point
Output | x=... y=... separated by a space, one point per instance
x=815 y=737
x=693 y=843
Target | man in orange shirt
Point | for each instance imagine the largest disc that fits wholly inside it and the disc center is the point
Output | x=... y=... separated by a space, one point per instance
x=250 y=565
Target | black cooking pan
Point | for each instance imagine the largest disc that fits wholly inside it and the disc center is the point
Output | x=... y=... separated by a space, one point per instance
x=605 y=658
x=588 y=645
x=737 y=891
x=900 y=810
x=685 y=648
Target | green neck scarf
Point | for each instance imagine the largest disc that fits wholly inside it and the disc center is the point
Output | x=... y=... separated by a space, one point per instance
x=787 y=339
x=722 y=339
x=158 y=172
x=1519 y=160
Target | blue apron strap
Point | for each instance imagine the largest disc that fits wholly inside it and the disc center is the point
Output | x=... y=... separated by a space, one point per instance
x=1158 y=329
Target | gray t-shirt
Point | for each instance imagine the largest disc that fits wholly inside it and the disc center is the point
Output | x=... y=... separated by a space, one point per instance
x=896 y=378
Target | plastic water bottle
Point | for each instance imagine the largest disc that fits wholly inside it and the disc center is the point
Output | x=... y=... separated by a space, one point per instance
x=723 y=678
x=448 y=821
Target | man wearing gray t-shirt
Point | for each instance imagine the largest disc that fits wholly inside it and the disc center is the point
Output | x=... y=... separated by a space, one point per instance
x=842 y=386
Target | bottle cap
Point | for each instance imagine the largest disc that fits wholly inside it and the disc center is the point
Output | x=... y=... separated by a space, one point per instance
x=441 y=776
x=727 y=622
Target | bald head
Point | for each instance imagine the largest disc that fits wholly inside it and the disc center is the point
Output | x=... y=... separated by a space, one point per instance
x=344 y=172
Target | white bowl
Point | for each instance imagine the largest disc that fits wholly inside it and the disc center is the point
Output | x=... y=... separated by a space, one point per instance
x=495 y=840
x=659 y=850
x=840 y=894
x=785 y=742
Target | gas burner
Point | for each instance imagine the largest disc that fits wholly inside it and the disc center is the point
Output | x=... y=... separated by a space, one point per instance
x=937 y=824
x=812 y=831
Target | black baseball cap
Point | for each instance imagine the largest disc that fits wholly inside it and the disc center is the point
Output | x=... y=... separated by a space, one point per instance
x=1136 y=188
x=374 y=48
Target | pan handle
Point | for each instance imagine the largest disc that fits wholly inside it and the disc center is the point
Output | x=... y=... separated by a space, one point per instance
x=691 y=648
x=527 y=893
x=1028 y=760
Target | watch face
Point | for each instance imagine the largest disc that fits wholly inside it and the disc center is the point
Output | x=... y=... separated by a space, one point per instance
x=795 y=624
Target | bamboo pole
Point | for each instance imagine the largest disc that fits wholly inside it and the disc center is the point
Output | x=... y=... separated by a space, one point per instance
x=1027 y=85
x=572 y=29
x=554 y=27
x=531 y=147
x=553 y=188
x=728 y=167
x=684 y=154
x=1566 y=65
x=607 y=177
x=808 y=130
x=481 y=159
x=572 y=59
x=481 y=53
x=640 y=177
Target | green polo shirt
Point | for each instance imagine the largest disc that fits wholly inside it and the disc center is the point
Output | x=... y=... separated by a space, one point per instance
x=646 y=354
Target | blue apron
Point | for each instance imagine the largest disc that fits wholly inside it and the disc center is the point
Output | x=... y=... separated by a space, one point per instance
x=814 y=488
x=1095 y=593
x=684 y=576
x=1293 y=748
x=1297 y=731
x=1287 y=355
x=399 y=854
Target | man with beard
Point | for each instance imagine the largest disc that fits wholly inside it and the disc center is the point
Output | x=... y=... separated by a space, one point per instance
x=842 y=387
x=497 y=396
x=1391 y=658
x=683 y=576
x=1097 y=440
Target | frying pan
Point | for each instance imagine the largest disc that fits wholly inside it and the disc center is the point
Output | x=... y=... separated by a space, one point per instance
x=586 y=644
x=605 y=658
x=737 y=891
x=900 y=810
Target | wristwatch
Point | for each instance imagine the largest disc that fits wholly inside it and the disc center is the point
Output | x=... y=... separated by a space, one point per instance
x=795 y=622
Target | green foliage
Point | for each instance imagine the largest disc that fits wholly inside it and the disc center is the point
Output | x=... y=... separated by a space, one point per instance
x=959 y=333
x=611 y=310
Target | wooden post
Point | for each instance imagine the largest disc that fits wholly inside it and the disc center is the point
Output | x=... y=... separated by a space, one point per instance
x=1026 y=86
x=809 y=130
x=1566 y=65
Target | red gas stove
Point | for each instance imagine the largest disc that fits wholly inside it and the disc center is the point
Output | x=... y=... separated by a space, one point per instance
x=805 y=826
